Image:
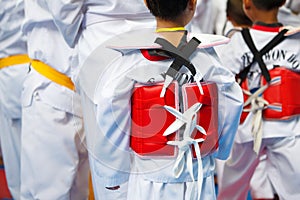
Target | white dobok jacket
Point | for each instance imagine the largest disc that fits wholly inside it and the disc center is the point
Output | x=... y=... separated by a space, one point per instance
x=105 y=84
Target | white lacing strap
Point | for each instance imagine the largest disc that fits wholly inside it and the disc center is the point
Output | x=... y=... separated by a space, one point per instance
x=258 y=104
x=168 y=80
x=198 y=77
x=185 y=156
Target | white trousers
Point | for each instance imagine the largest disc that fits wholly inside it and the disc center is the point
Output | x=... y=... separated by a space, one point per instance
x=282 y=163
x=260 y=185
x=54 y=157
x=10 y=135
x=11 y=85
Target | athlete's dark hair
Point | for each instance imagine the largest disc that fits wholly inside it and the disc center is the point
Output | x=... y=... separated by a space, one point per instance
x=268 y=4
x=167 y=9
x=235 y=11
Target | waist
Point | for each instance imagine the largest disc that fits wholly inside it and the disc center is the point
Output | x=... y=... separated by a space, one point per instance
x=14 y=60
x=161 y=170
x=52 y=74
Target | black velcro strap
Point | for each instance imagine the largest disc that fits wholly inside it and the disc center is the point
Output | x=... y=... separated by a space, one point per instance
x=258 y=54
x=181 y=55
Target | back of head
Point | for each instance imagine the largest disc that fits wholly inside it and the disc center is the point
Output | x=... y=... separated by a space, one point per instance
x=236 y=14
x=167 y=9
x=268 y=4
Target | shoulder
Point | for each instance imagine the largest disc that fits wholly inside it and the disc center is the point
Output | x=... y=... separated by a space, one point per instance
x=233 y=31
x=209 y=40
x=292 y=31
x=132 y=40
x=144 y=39
x=94 y=66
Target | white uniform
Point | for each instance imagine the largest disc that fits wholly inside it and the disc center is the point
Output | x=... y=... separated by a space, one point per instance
x=210 y=17
x=222 y=25
x=204 y=19
x=106 y=92
x=12 y=43
x=281 y=139
x=54 y=157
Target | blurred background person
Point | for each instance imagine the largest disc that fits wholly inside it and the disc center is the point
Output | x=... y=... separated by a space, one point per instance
x=54 y=157
x=210 y=17
x=279 y=138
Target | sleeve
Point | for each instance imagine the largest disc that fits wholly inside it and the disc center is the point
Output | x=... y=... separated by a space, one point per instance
x=106 y=113
x=230 y=108
x=112 y=144
x=230 y=104
x=113 y=116
x=109 y=164
x=68 y=16
x=229 y=55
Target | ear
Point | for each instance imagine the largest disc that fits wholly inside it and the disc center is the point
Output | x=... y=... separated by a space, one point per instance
x=229 y=18
x=247 y=4
x=145 y=1
x=283 y=3
x=192 y=4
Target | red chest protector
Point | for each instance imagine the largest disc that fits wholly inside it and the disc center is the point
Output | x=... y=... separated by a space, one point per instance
x=284 y=103
x=150 y=119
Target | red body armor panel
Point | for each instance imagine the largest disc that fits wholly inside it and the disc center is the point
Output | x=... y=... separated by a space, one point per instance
x=150 y=119
x=244 y=114
x=279 y=95
x=283 y=95
x=208 y=115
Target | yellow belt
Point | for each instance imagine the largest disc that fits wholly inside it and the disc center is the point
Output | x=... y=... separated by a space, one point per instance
x=52 y=74
x=14 y=60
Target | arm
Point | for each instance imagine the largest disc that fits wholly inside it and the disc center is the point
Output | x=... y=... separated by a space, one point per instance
x=106 y=117
x=107 y=143
x=230 y=108
x=113 y=117
x=68 y=16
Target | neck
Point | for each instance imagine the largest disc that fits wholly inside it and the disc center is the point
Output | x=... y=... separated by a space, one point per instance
x=169 y=24
x=268 y=17
x=168 y=30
